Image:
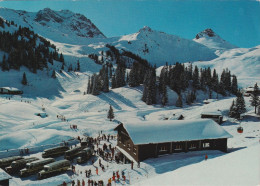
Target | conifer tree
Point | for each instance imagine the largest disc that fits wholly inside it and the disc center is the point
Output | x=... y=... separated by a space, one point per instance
x=195 y=78
x=105 y=81
x=24 y=80
x=240 y=105
x=254 y=97
x=4 y=64
x=113 y=83
x=61 y=58
x=110 y=114
x=164 y=95
x=133 y=76
x=78 y=66
x=232 y=110
x=179 y=101
x=88 y=88
x=234 y=85
x=53 y=75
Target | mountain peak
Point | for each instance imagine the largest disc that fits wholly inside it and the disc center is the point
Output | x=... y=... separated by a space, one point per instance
x=145 y=29
x=206 y=33
x=211 y=40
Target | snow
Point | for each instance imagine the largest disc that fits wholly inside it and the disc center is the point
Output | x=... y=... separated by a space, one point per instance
x=146 y=132
x=212 y=112
x=243 y=62
x=10 y=88
x=237 y=168
x=215 y=42
x=4 y=175
x=126 y=154
x=20 y=128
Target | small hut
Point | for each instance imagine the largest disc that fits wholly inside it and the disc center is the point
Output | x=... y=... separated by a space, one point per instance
x=10 y=90
x=215 y=115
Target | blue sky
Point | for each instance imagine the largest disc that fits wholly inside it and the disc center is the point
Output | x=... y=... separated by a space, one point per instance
x=235 y=21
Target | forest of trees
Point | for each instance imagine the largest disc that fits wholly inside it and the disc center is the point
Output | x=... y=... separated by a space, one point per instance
x=25 y=48
x=184 y=80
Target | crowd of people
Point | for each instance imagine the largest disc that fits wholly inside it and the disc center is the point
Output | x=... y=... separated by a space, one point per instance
x=106 y=153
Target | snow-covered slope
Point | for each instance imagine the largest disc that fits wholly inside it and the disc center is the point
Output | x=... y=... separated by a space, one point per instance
x=62 y=26
x=237 y=168
x=159 y=47
x=243 y=62
x=213 y=41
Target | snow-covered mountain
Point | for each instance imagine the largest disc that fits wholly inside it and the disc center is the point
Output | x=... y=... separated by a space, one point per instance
x=213 y=41
x=243 y=62
x=61 y=26
x=158 y=47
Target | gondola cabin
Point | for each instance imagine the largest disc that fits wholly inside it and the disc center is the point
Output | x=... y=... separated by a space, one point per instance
x=148 y=139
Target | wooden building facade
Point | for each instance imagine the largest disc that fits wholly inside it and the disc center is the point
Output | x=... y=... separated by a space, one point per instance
x=140 y=150
x=214 y=115
x=10 y=90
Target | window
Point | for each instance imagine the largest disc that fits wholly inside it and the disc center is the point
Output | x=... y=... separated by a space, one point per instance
x=128 y=146
x=192 y=146
x=178 y=147
x=134 y=150
x=119 y=139
x=162 y=149
x=206 y=145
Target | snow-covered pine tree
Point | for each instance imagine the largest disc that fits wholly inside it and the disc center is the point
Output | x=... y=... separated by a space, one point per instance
x=88 y=88
x=151 y=87
x=240 y=105
x=78 y=66
x=232 y=110
x=254 y=97
x=179 y=101
x=120 y=75
x=214 y=81
x=164 y=95
x=133 y=75
x=61 y=58
x=24 y=80
x=96 y=85
x=53 y=75
x=195 y=78
x=105 y=81
x=234 y=85
x=110 y=114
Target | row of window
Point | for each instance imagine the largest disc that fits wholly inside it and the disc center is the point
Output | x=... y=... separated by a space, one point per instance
x=180 y=147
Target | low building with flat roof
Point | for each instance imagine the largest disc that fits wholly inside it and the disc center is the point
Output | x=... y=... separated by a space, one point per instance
x=149 y=139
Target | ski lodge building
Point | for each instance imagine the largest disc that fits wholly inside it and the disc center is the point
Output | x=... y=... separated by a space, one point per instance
x=10 y=90
x=215 y=115
x=149 y=139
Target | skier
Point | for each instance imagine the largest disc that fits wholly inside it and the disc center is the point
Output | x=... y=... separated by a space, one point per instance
x=206 y=157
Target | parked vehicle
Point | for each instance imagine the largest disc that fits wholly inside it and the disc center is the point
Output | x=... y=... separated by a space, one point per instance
x=85 y=155
x=5 y=162
x=54 y=169
x=72 y=153
x=35 y=167
x=54 y=152
x=17 y=165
